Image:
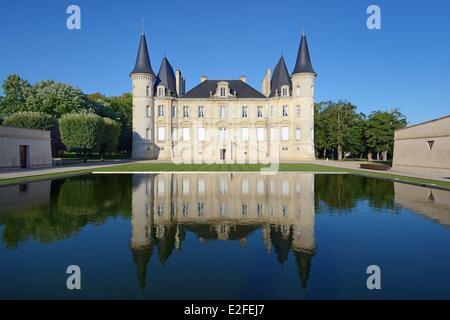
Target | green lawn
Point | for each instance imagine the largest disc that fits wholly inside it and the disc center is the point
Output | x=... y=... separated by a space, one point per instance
x=284 y=167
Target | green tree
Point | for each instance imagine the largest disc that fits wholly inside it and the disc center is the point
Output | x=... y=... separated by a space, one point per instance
x=15 y=90
x=38 y=120
x=380 y=129
x=109 y=136
x=81 y=132
x=55 y=98
x=339 y=119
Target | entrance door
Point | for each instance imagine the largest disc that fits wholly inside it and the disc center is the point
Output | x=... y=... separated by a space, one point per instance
x=23 y=150
x=222 y=154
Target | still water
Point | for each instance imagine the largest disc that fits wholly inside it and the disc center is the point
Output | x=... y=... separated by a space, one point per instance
x=224 y=236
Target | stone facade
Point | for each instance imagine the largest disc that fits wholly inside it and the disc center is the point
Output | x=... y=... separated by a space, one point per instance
x=26 y=148
x=223 y=121
x=425 y=146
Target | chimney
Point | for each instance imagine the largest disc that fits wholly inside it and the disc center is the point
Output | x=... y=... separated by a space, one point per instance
x=203 y=78
x=266 y=83
x=178 y=82
x=243 y=78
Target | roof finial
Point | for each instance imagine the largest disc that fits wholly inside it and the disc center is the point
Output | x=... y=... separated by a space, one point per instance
x=281 y=53
x=143 y=22
x=303 y=32
x=164 y=53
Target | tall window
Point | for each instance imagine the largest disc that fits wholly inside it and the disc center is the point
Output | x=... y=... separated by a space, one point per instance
x=222 y=112
x=161 y=133
x=244 y=112
x=223 y=134
x=297 y=90
x=244 y=186
x=161 y=92
x=147 y=111
x=260 y=133
x=285 y=111
x=201 y=134
x=174 y=111
x=147 y=91
x=284 y=133
x=200 y=112
x=147 y=135
x=160 y=111
x=201 y=186
x=297 y=134
x=222 y=92
x=200 y=210
x=284 y=92
x=259 y=111
x=271 y=111
x=186 y=136
x=244 y=134
x=185 y=111
x=298 y=111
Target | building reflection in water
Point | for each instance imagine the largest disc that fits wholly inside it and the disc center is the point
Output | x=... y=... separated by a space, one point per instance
x=223 y=206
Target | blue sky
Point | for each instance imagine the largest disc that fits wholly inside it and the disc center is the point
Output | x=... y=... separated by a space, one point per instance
x=405 y=64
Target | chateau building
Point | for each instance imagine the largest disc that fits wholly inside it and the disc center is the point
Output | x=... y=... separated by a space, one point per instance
x=223 y=121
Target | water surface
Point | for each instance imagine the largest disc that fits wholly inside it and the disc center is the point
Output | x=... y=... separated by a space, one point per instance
x=222 y=235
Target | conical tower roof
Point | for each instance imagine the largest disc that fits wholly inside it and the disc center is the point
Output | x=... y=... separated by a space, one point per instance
x=143 y=64
x=303 y=63
x=166 y=77
x=280 y=77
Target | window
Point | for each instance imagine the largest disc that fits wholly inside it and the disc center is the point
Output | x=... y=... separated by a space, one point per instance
x=160 y=186
x=285 y=188
x=147 y=91
x=174 y=111
x=244 y=209
x=273 y=134
x=200 y=210
x=186 y=186
x=200 y=112
x=160 y=111
x=223 y=209
x=201 y=186
x=430 y=144
x=185 y=209
x=298 y=111
x=244 y=134
x=259 y=112
x=185 y=111
x=297 y=91
x=260 y=187
x=222 y=134
x=222 y=92
x=260 y=133
x=147 y=135
x=285 y=133
x=161 y=92
x=147 y=111
x=244 y=186
x=284 y=92
x=223 y=186
x=259 y=209
x=161 y=133
x=297 y=134
x=222 y=112
x=174 y=134
x=285 y=111
x=186 y=134
x=244 y=112
x=201 y=134
x=271 y=111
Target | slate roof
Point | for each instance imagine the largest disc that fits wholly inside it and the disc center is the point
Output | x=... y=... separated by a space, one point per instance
x=280 y=77
x=243 y=90
x=143 y=64
x=166 y=77
x=303 y=63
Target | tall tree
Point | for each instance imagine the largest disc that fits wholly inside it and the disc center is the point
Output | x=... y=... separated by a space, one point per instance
x=380 y=129
x=15 y=90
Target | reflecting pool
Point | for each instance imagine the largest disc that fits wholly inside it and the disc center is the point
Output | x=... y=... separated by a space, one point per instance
x=224 y=236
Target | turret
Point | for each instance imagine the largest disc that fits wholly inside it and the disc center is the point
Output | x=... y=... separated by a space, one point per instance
x=302 y=78
x=142 y=78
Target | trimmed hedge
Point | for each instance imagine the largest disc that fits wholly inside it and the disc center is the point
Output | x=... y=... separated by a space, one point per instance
x=374 y=166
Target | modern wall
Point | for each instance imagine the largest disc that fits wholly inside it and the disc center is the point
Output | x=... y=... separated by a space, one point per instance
x=423 y=146
x=38 y=147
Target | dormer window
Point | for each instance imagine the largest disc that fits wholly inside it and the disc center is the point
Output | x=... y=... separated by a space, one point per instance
x=161 y=92
x=222 y=92
x=222 y=89
x=284 y=91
